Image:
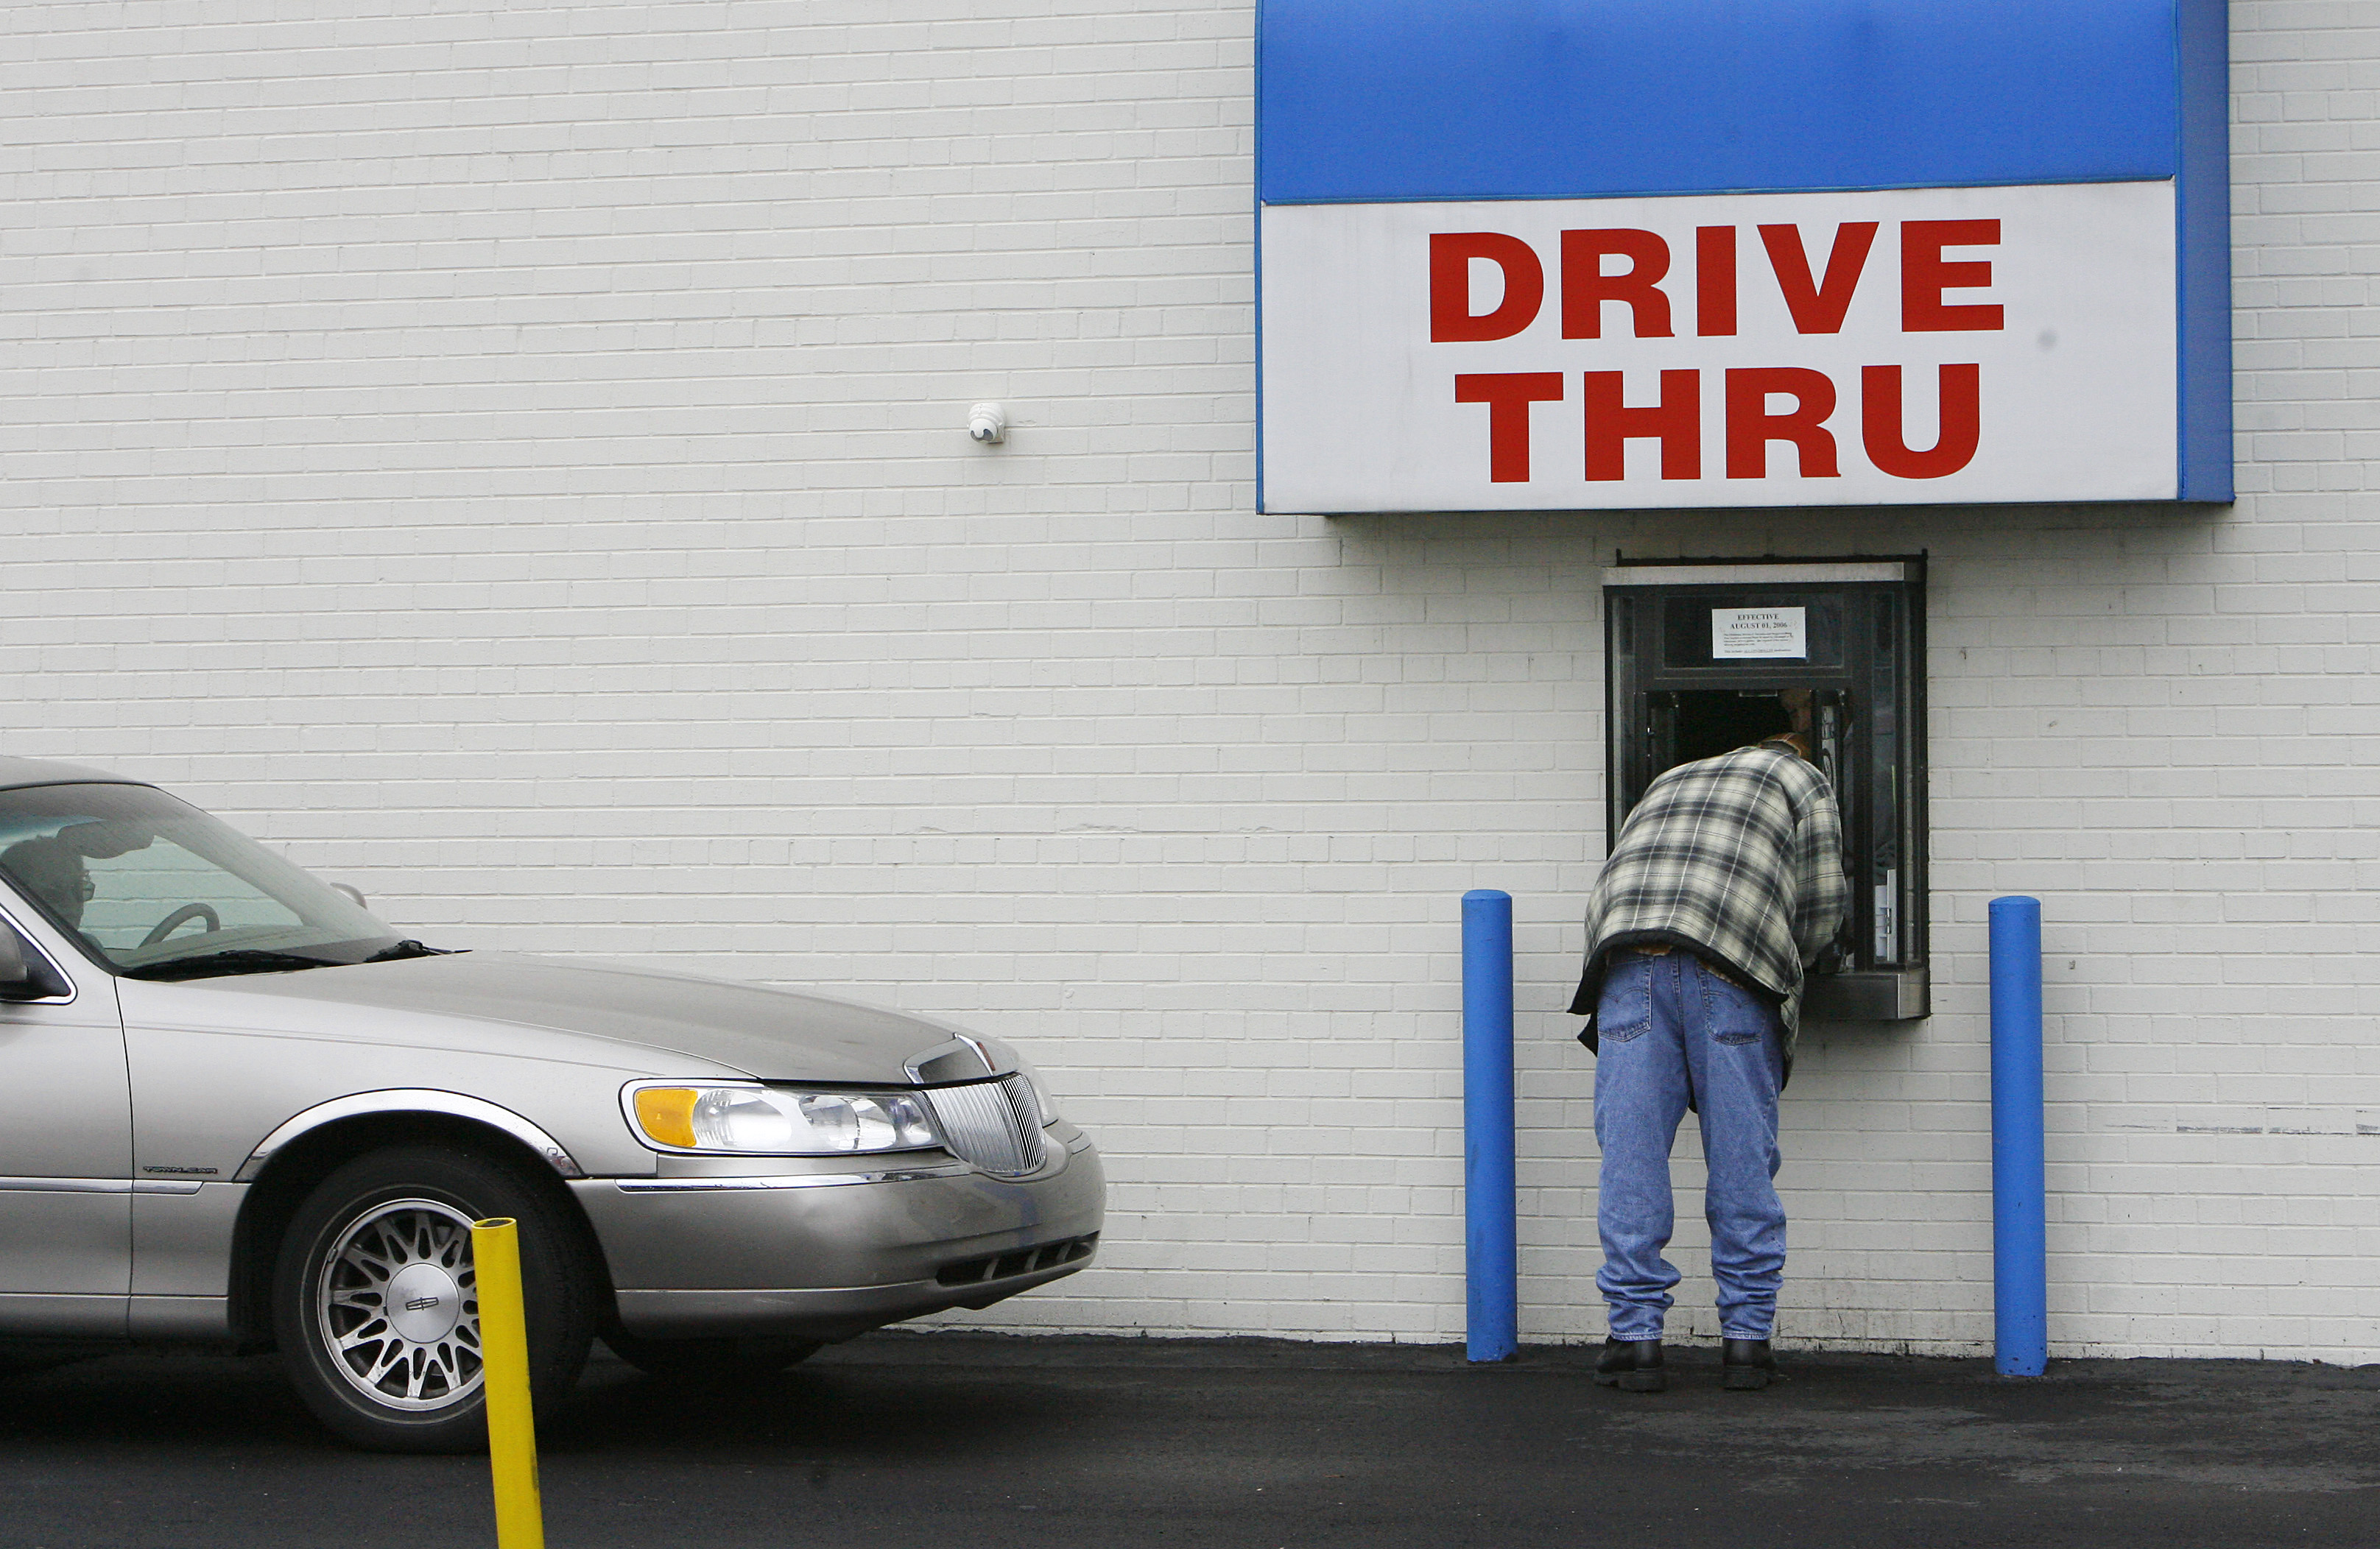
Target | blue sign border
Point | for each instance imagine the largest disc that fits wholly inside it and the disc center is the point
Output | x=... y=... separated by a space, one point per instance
x=1386 y=100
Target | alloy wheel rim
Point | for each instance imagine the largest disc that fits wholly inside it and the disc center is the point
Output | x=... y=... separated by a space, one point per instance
x=397 y=1305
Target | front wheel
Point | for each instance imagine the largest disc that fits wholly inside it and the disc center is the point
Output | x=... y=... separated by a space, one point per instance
x=375 y=1299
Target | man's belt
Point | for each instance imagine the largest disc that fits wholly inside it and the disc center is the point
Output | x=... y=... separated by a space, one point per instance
x=1663 y=948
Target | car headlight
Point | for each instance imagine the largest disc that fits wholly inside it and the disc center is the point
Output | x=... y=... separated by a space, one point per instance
x=750 y=1119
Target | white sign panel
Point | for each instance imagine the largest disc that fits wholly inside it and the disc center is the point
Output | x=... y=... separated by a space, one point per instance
x=1758 y=634
x=1911 y=347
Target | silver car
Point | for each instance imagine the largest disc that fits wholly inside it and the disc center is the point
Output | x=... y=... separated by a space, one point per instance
x=237 y=1110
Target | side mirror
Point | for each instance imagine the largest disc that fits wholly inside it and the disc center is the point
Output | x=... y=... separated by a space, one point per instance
x=354 y=894
x=23 y=974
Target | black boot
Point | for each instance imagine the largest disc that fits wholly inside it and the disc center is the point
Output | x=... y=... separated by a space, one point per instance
x=1746 y=1365
x=1632 y=1365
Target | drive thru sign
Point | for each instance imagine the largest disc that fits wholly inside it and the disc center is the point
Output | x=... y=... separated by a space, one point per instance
x=1529 y=254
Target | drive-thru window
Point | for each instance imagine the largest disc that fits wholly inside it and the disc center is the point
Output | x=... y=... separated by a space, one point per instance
x=1697 y=656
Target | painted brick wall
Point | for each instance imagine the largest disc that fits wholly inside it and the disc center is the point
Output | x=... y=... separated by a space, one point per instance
x=513 y=458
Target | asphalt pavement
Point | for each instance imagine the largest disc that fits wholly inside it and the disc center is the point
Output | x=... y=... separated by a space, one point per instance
x=985 y=1442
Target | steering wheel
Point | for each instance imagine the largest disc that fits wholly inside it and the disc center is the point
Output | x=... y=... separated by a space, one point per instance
x=181 y=917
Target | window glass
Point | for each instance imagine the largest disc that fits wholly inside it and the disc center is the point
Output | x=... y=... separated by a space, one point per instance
x=133 y=895
x=142 y=880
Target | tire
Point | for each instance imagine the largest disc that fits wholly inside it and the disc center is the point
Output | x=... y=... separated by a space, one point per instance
x=413 y=1206
x=711 y=1361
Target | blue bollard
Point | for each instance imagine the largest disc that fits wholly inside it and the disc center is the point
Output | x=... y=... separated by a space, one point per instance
x=1490 y=1197
x=2019 y=1190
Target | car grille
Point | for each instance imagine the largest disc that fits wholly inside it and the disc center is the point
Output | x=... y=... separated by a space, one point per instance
x=994 y=1124
x=1023 y=1261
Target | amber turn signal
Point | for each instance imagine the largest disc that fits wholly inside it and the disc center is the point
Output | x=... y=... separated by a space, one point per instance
x=666 y=1113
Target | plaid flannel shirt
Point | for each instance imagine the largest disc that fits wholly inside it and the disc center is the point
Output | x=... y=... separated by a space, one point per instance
x=1739 y=860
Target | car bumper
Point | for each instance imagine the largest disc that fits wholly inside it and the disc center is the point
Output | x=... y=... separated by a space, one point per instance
x=827 y=1255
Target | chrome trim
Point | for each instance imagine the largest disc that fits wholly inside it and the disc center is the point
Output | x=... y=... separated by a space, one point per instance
x=411 y=1100
x=965 y=1057
x=66 y=1185
x=74 y=991
x=100 y=1186
x=1807 y=572
x=995 y=1124
x=789 y=1180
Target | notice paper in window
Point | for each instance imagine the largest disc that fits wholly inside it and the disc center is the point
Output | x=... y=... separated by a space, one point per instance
x=1753 y=634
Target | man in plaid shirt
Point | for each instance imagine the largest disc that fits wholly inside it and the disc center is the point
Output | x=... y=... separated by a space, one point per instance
x=1726 y=880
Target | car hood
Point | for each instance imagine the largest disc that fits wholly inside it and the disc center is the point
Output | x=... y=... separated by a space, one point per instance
x=628 y=1015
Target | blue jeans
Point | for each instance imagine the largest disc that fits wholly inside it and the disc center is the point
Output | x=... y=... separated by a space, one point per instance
x=1670 y=1030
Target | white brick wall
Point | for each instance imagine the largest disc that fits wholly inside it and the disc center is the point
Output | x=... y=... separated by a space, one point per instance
x=514 y=457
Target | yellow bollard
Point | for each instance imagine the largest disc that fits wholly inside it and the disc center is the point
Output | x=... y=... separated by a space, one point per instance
x=504 y=1350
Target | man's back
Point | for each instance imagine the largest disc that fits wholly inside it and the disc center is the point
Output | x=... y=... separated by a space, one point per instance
x=1738 y=858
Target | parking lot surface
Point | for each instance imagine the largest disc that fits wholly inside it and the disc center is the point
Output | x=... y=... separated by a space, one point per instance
x=935 y=1440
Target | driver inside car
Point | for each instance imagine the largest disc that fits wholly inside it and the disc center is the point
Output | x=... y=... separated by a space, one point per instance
x=53 y=869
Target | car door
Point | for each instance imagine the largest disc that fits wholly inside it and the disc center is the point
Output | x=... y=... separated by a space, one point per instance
x=65 y=1147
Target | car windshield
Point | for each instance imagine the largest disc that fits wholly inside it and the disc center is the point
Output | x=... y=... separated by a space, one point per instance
x=155 y=887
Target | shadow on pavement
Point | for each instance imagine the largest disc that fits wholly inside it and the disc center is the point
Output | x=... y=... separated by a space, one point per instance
x=903 y=1439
